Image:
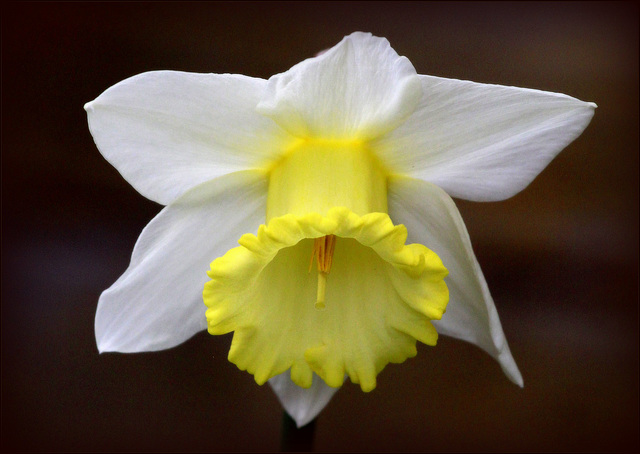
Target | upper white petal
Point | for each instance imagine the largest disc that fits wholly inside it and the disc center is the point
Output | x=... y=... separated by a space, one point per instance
x=157 y=303
x=360 y=88
x=483 y=142
x=433 y=220
x=303 y=405
x=168 y=131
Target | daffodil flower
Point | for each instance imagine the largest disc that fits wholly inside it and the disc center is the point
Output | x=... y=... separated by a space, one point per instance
x=335 y=178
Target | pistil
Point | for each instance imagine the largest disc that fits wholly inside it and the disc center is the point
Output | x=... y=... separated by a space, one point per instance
x=323 y=249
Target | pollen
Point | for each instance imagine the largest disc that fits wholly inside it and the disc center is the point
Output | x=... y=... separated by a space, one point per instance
x=323 y=249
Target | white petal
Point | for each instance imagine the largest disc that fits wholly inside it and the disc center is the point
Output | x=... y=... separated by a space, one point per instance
x=157 y=303
x=360 y=88
x=303 y=405
x=483 y=142
x=433 y=220
x=168 y=131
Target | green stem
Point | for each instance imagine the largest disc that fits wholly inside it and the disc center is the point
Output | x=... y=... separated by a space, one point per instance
x=294 y=439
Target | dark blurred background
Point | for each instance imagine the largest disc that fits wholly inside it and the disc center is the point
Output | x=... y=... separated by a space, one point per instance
x=561 y=258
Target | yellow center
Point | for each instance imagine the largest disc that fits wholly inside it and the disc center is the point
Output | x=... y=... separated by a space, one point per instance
x=316 y=175
x=382 y=295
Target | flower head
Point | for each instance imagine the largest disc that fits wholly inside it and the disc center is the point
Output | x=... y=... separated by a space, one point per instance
x=321 y=174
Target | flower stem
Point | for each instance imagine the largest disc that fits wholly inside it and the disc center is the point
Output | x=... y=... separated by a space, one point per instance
x=294 y=439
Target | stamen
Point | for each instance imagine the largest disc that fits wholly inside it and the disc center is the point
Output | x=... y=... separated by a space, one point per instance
x=323 y=250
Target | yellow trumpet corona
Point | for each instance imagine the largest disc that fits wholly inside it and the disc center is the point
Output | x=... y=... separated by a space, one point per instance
x=330 y=198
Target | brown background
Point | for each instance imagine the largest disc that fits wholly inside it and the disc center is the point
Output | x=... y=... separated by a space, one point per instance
x=561 y=258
